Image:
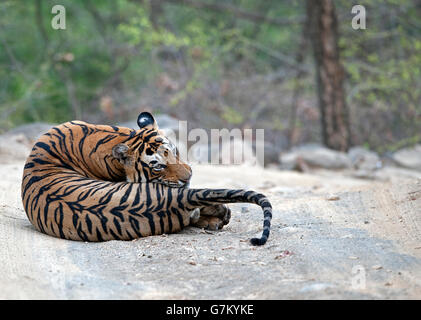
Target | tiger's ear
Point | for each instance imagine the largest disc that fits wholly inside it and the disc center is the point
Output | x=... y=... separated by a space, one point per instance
x=120 y=152
x=146 y=120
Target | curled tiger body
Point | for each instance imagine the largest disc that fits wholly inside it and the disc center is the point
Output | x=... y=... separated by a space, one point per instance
x=97 y=182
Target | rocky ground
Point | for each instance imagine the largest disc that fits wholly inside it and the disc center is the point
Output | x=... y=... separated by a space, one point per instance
x=335 y=235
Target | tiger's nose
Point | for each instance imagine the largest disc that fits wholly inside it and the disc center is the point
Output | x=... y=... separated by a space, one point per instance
x=186 y=173
x=183 y=172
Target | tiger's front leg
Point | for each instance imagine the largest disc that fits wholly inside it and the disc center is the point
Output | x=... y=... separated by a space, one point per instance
x=212 y=217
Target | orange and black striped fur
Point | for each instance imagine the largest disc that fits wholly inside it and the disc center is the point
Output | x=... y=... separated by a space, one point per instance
x=96 y=183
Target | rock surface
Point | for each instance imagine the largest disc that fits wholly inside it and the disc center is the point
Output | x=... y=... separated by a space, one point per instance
x=14 y=147
x=409 y=157
x=31 y=131
x=316 y=156
x=364 y=162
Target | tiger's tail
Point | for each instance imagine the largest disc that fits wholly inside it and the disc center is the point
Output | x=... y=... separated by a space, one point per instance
x=200 y=197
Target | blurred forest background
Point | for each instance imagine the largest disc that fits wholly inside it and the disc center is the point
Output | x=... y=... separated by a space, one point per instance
x=219 y=64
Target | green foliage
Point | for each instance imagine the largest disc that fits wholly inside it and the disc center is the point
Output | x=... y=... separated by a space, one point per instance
x=232 y=116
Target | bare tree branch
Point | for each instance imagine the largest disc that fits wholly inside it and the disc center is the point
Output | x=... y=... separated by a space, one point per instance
x=38 y=19
x=17 y=64
x=238 y=12
x=71 y=92
x=299 y=59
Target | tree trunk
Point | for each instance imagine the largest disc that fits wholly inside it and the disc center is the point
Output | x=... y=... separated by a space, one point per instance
x=298 y=87
x=329 y=74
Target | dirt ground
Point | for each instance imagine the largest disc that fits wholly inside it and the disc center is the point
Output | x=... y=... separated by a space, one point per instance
x=333 y=237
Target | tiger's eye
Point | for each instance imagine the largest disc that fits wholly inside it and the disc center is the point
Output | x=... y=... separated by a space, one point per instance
x=159 y=139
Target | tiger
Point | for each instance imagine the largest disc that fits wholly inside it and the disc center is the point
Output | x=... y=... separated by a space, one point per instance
x=90 y=182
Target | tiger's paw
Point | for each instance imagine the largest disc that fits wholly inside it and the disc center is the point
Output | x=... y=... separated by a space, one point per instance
x=209 y=223
x=220 y=211
x=213 y=217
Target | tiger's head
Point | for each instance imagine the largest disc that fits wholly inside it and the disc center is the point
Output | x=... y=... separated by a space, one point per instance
x=151 y=157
